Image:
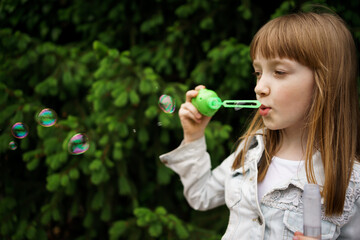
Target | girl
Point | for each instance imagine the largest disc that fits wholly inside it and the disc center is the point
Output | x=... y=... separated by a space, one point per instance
x=306 y=131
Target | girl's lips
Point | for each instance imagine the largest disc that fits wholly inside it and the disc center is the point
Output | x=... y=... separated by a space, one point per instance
x=264 y=110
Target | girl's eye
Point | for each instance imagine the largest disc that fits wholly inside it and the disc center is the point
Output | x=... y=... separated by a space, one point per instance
x=279 y=73
x=257 y=74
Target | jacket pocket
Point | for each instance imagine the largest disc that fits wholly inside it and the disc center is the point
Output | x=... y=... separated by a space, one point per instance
x=233 y=192
x=294 y=222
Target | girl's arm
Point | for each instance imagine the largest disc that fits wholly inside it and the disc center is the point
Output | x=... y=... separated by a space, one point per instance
x=203 y=188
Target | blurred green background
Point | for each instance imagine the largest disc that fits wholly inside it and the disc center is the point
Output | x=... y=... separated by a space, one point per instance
x=102 y=66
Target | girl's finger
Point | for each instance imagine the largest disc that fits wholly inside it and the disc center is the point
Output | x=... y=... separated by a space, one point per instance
x=193 y=110
x=197 y=88
x=189 y=111
x=190 y=95
x=193 y=93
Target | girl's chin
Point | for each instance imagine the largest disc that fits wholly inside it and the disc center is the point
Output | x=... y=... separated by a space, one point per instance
x=272 y=126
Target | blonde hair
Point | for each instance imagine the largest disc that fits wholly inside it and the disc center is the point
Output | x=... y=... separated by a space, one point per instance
x=322 y=42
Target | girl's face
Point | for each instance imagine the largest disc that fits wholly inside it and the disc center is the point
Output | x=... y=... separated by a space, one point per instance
x=284 y=88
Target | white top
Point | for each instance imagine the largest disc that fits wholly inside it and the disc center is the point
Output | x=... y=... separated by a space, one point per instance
x=280 y=170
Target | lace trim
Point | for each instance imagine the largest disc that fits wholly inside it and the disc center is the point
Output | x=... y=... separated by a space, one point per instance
x=289 y=198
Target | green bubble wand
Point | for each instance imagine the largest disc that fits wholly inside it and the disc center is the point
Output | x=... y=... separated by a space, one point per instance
x=208 y=103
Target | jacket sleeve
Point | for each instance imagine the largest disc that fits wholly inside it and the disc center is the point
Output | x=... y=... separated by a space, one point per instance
x=203 y=188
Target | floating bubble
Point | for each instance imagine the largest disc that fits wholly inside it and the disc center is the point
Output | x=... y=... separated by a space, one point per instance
x=166 y=103
x=78 y=144
x=239 y=107
x=19 y=130
x=12 y=145
x=47 y=117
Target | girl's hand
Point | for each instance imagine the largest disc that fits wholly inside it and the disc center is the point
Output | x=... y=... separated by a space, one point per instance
x=300 y=236
x=192 y=121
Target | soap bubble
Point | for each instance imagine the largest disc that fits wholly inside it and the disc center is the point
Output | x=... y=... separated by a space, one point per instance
x=47 y=117
x=12 y=145
x=78 y=144
x=166 y=103
x=239 y=106
x=19 y=130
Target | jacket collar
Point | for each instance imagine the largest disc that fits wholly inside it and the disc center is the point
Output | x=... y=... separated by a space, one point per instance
x=254 y=154
x=300 y=179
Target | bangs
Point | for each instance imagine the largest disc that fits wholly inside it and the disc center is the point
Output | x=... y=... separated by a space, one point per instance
x=285 y=37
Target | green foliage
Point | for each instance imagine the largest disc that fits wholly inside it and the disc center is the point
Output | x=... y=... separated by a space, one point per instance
x=102 y=66
x=160 y=223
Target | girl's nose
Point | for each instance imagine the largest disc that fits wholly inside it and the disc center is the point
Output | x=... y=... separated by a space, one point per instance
x=262 y=89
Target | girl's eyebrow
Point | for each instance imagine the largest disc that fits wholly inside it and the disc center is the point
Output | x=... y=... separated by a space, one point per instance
x=272 y=62
x=256 y=63
x=279 y=61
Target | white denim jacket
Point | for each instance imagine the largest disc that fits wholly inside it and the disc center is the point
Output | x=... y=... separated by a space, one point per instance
x=278 y=215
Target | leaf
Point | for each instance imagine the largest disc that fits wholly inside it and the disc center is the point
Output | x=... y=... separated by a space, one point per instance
x=100 y=176
x=97 y=201
x=56 y=214
x=104 y=140
x=143 y=136
x=134 y=97
x=181 y=231
x=145 y=86
x=31 y=232
x=33 y=164
x=74 y=173
x=51 y=145
x=88 y=220
x=206 y=23
x=100 y=47
x=160 y=210
x=106 y=213
x=55 y=161
x=117 y=153
x=125 y=60
x=124 y=186
x=185 y=10
x=46 y=218
x=21 y=228
x=64 y=180
x=53 y=182
x=117 y=229
x=122 y=99
x=151 y=112
x=95 y=165
x=155 y=229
